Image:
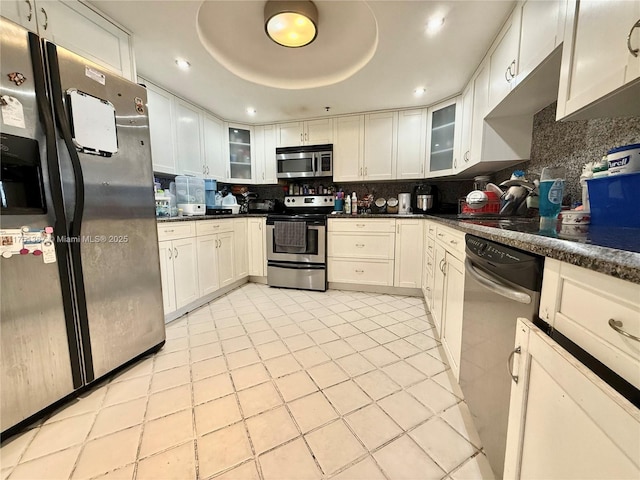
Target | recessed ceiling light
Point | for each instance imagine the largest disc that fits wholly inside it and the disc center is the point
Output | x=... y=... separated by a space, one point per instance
x=251 y=111
x=418 y=92
x=434 y=24
x=182 y=64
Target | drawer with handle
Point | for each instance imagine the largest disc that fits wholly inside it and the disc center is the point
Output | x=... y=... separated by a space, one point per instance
x=176 y=230
x=364 y=245
x=209 y=227
x=599 y=313
x=359 y=225
x=452 y=240
x=363 y=272
x=431 y=229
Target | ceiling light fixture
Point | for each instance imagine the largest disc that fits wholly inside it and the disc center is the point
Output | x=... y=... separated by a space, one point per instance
x=291 y=23
x=418 y=92
x=182 y=64
x=434 y=24
x=251 y=111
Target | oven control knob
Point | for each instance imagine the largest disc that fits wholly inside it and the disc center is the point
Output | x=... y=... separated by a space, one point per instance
x=293 y=200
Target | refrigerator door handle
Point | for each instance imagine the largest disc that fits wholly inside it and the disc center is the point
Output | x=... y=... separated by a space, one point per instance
x=60 y=220
x=75 y=226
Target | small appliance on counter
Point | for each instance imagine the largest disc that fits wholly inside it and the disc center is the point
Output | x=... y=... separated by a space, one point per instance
x=404 y=204
x=424 y=198
x=231 y=203
x=190 y=195
x=210 y=190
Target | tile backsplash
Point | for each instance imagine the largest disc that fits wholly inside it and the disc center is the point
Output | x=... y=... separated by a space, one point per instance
x=572 y=144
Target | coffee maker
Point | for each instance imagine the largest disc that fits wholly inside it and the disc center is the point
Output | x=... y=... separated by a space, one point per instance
x=425 y=198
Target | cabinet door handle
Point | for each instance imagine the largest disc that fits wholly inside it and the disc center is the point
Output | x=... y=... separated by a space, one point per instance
x=360 y=225
x=366 y=171
x=359 y=271
x=306 y=136
x=46 y=18
x=453 y=242
x=455 y=163
x=617 y=326
x=175 y=252
x=170 y=256
x=301 y=137
x=441 y=266
x=168 y=231
x=360 y=171
x=30 y=15
x=359 y=245
x=506 y=75
x=634 y=51
x=441 y=234
x=517 y=350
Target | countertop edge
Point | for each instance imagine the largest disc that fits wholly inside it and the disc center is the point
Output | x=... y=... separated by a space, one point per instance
x=620 y=264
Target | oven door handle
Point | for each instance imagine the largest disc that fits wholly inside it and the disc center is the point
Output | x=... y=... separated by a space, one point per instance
x=491 y=284
x=296 y=266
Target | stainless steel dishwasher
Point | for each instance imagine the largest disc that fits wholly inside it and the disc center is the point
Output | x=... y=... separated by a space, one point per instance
x=501 y=285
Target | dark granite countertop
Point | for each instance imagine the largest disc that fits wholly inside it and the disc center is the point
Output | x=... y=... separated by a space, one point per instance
x=196 y=218
x=609 y=250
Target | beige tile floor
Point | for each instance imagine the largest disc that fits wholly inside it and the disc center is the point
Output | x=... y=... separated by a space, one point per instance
x=269 y=384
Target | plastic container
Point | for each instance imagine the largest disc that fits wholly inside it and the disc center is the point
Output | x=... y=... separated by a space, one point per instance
x=575 y=217
x=614 y=200
x=624 y=159
x=190 y=195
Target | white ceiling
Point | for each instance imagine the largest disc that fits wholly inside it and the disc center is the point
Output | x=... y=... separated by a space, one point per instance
x=406 y=57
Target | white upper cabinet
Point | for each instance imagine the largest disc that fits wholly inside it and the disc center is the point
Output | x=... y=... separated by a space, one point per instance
x=600 y=60
x=380 y=146
x=310 y=132
x=160 y=106
x=78 y=28
x=412 y=137
x=541 y=31
x=265 y=154
x=241 y=155
x=480 y=109
x=465 y=127
x=348 y=148
x=443 y=138
x=503 y=60
x=213 y=133
x=189 y=139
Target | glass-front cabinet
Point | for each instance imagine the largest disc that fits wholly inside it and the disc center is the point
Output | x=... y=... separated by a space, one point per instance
x=241 y=155
x=443 y=140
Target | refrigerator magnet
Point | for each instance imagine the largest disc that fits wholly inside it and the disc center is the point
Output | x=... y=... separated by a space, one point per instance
x=17 y=78
x=139 y=105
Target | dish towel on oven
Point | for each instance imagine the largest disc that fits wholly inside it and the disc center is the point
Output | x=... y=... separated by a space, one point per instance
x=291 y=236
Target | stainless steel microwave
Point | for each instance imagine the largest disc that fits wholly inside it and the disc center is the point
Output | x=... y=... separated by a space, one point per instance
x=304 y=162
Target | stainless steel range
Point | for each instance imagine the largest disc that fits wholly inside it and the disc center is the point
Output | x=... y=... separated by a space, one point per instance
x=297 y=243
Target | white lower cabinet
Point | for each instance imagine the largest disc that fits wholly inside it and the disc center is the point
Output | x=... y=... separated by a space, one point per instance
x=361 y=251
x=452 y=310
x=225 y=258
x=565 y=422
x=207 y=264
x=166 y=276
x=448 y=292
x=408 y=253
x=180 y=276
x=241 y=264
x=257 y=246
x=223 y=246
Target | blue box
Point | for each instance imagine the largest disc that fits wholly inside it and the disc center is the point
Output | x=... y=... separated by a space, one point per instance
x=614 y=200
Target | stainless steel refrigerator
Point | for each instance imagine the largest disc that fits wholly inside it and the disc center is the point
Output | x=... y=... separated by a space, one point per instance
x=79 y=266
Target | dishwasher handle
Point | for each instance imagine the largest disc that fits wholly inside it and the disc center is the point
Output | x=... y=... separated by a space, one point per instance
x=492 y=285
